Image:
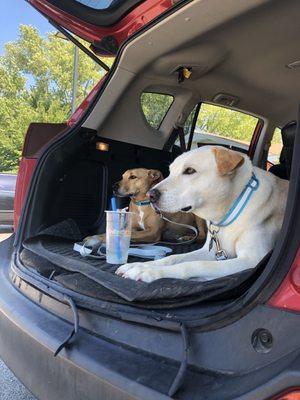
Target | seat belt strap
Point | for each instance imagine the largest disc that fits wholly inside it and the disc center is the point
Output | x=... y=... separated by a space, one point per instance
x=181 y=139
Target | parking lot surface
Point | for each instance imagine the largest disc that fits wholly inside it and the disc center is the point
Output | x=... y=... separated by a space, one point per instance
x=10 y=387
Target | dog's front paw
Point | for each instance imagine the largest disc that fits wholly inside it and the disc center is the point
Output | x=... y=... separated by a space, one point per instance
x=144 y=274
x=140 y=272
x=125 y=267
x=91 y=241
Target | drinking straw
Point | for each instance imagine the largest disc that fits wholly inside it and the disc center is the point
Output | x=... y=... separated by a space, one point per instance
x=114 y=204
x=117 y=241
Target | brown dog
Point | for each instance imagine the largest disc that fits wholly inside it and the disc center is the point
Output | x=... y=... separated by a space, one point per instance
x=147 y=225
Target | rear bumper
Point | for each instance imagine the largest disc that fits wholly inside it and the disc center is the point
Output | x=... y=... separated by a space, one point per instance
x=96 y=367
x=30 y=335
x=81 y=376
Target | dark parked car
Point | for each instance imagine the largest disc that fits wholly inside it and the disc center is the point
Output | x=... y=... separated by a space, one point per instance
x=69 y=327
x=7 y=195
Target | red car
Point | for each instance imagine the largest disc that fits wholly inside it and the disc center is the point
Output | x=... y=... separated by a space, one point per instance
x=183 y=72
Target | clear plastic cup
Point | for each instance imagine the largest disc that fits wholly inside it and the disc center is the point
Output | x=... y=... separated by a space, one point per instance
x=118 y=233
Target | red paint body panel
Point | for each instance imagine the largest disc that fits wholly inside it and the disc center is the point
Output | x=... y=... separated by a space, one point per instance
x=26 y=169
x=287 y=295
x=290 y=394
x=133 y=21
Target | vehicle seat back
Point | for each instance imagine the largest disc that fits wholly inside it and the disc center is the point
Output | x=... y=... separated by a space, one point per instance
x=288 y=139
x=283 y=169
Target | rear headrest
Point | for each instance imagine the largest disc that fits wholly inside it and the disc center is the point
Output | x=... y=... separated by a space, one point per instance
x=288 y=133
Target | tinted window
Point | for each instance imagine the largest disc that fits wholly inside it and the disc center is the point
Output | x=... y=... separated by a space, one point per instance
x=98 y=4
x=276 y=147
x=222 y=125
x=155 y=107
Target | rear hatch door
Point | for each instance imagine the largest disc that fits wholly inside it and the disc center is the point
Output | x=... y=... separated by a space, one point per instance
x=106 y=24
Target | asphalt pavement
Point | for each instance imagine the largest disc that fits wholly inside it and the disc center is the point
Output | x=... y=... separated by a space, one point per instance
x=10 y=387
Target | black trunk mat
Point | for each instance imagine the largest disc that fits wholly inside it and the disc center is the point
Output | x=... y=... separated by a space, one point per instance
x=52 y=251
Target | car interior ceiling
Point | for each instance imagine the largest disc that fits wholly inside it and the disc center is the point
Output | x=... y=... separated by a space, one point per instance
x=221 y=55
x=81 y=176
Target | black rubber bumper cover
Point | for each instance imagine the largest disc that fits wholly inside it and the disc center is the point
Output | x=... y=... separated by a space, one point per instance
x=93 y=369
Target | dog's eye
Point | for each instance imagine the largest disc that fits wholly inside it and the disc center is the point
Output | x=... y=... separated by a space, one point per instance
x=132 y=177
x=189 y=171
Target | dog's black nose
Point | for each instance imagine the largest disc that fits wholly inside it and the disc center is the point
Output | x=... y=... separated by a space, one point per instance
x=154 y=195
x=115 y=187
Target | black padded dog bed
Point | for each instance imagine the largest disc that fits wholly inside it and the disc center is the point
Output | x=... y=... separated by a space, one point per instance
x=51 y=254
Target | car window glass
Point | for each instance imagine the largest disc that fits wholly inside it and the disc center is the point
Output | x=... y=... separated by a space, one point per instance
x=97 y=4
x=276 y=147
x=220 y=125
x=155 y=107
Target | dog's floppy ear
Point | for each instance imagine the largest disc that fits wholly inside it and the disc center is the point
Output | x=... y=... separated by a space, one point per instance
x=227 y=160
x=155 y=175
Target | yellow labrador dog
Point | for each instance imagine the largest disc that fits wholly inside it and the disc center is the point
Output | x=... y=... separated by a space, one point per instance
x=243 y=205
x=147 y=225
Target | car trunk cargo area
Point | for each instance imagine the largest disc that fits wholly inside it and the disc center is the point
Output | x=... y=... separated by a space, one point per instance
x=51 y=254
x=74 y=181
x=81 y=177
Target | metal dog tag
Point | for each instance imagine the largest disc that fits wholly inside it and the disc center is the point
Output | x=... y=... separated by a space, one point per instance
x=213 y=236
x=221 y=255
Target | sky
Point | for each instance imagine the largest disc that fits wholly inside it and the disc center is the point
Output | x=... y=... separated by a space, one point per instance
x=16 y=12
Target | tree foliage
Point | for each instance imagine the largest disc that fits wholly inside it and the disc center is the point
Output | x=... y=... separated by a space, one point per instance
x=36 y=86
x=155 y=106
x=226 y=123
